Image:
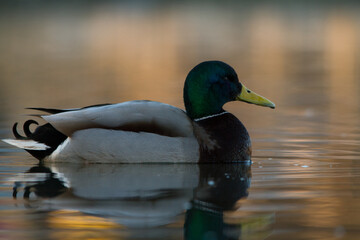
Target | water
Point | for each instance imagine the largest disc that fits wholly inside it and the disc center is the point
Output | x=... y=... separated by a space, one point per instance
x=304 y=180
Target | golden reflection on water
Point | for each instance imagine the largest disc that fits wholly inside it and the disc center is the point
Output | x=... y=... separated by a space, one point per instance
x=74 y=225
x=75 y=220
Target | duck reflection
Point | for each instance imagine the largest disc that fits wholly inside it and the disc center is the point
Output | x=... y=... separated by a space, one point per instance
x=219 y=188
x=143 y=196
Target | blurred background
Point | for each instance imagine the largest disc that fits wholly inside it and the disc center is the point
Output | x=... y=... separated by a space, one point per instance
x=73 y=53
x=302 y=55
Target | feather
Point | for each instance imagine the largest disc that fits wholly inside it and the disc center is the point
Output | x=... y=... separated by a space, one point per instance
x=55 y=111
x=103 y=145
x=138 y=116
x=26 y=144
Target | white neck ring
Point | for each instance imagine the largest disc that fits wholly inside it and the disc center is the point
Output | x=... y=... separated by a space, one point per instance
x=210 y=116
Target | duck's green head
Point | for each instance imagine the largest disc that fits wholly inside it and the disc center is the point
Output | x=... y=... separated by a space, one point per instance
x=210 y=85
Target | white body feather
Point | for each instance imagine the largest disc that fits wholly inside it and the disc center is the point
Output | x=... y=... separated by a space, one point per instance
x=103 y=134
x=109 y=146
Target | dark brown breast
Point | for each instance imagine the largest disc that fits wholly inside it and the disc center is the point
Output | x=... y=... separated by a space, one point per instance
x=223 y=138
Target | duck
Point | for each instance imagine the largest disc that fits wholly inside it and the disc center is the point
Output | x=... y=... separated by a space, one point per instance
x=143 y=131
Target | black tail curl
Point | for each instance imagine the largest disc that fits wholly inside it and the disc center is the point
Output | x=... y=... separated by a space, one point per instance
x=26 y=128
x=16 y=134
x=45 y=134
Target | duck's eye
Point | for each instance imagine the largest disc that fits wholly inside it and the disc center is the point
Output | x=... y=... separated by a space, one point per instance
x=248 y=91
x=229 y=78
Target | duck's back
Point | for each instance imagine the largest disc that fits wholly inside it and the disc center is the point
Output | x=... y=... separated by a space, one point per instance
x=223 y=139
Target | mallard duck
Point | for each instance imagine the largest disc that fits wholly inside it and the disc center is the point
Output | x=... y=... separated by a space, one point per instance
x=148 y=131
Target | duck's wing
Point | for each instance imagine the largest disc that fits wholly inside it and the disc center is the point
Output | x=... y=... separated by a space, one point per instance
x=137 y=116
x=55 y=110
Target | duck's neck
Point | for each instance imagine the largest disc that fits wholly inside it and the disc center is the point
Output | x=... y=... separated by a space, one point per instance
x=195 y=112
x=200 y=106
x=210 y=116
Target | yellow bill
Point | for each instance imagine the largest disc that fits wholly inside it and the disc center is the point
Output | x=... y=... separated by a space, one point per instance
x=249 y=96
